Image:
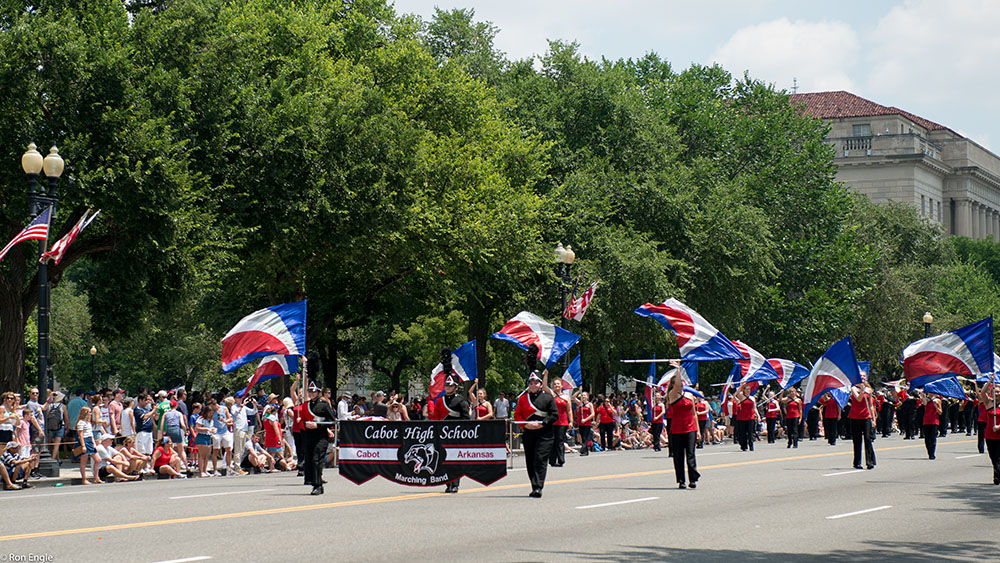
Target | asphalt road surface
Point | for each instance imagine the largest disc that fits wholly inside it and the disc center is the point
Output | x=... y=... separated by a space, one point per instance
x=775 y=504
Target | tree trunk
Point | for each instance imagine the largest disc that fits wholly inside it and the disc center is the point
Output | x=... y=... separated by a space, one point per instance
x=328 y=355
x=479 y=326
x=600 y=379
x=12 y=322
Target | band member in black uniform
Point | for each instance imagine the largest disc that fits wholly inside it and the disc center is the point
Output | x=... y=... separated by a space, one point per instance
x=317 y=418
x=536 y=412
x=451 y=405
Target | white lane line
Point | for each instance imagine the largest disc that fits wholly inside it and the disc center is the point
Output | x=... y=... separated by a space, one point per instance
x=186 y=559
x=844 y=472
x=15 y=497
x=221 y=494
x=616 y=503
x=965 y=456
x=867 y=510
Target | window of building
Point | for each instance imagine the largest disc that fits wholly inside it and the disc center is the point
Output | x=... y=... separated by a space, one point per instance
x=939 y=212
x=863 y=130
x=923 y=206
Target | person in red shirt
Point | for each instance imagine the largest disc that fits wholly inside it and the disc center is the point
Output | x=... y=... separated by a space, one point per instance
x=606 y=419
x=746 y=411
x=862 y=409
x=683 y=431
x=562 y=424
x=585 y=422
x=702 y=409
x=656 y=427
x=932 y=418
x=831 y=417
x=793 y=415
x=771 y=416
x=990 y=428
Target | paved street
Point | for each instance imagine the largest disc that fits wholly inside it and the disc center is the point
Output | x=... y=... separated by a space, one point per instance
x=773 y=504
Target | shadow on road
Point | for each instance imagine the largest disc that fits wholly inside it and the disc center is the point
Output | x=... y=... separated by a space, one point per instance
x=980 y=499
x=878 y=551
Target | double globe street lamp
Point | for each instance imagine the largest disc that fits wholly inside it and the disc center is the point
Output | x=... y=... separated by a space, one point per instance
x=40 y=198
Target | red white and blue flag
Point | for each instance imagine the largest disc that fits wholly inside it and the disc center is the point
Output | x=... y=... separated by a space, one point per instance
x=463 y=365
x=58 y=248
x=835 y=372
x=985 y=377
x=276 y=330
x=947 y=387
x=789 y=372
x=576 y=308
x=527 y=328
x=271 y=367
x=753 y=365
x=573 y=376
x=697 y=339
x=966 y=352
x=38 y=229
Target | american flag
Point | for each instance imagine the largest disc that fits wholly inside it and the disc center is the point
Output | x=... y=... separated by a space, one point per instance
x=577 y=307
x=36 y=230
x=58 y=248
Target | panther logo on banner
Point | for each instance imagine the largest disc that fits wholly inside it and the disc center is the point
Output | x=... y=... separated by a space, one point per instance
x=423 y=457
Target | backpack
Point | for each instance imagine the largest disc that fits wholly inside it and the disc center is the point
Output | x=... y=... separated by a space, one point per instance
x=54 y=417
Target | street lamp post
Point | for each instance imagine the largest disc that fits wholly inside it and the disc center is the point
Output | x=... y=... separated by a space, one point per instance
x=928 y=319
x=39 y=198
x=565 y=258
x=93 y=357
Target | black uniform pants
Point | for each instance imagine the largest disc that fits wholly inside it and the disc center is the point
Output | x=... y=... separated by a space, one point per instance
x=930 y=439
x=300 y=449
x=792 y=428
x=656 y=430
x=981 y=429
x=861 y=434
x=586 y=437
x=830 y=429
x=772 y=424
x=314 y=446
x=682 y=448
x=537 y=448
x=904 y=418
x=744 y=433
x=993 y=446
x=607 y=435
x=558 y=455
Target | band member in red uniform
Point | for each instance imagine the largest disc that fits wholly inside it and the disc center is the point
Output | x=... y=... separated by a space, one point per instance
x=536 y=412
x=862 y=409
x=746 y=411
x=683 y=431
x=561 y=426
x=452 y=406
x=932 y=419
x=793 y=415
x=984 y=403
x=831 y=417
x=585 y=424
x=702 y=408
x=656 y=426
x=991 y=427
x=317 y=418
x=771 y=416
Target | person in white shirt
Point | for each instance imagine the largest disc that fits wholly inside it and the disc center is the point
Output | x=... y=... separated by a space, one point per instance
x=111 y=462
x=344 y=409
x=501 y=406
x=240 y=436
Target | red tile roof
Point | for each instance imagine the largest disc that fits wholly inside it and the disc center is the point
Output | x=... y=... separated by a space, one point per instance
x=834 y=105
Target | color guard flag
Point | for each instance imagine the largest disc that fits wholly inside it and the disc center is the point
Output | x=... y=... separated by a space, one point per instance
x=576 y=308
x=697 y=339
x=753 y=365
x=58 y=248
x=947 y=387
x=276 y=330
x=573 y=377
x=463 y=365
x=985 y=377
x=38 y=229
x=836 y=369
x=789 y=372
x=967 y=352
x=527 y=328
x=269 y=368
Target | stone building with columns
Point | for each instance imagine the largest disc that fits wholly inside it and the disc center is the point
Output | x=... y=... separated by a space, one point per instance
x=890 y=154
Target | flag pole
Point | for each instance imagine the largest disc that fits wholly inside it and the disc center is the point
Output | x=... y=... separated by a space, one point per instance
x=651 y=361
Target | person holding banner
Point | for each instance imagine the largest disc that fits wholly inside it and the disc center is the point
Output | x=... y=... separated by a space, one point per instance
x=656 y=426
x=793 y=413
x=451 y=406
x=557 y=458
x=931 y=421
x=683 y=431
x=585 y=424
x=862 y=411
x=536 y=413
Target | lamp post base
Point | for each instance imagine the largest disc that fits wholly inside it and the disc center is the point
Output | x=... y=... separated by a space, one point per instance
x=47 y=466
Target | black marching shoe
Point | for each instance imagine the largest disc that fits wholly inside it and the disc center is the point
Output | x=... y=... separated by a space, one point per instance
x=681 y=486
x=317 y=490
x=535 y=493
x=693 y=485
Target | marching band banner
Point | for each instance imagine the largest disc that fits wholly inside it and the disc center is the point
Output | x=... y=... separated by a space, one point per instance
x=425 y=453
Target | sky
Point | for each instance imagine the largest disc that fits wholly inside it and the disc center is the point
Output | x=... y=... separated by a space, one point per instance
x=937 y=59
